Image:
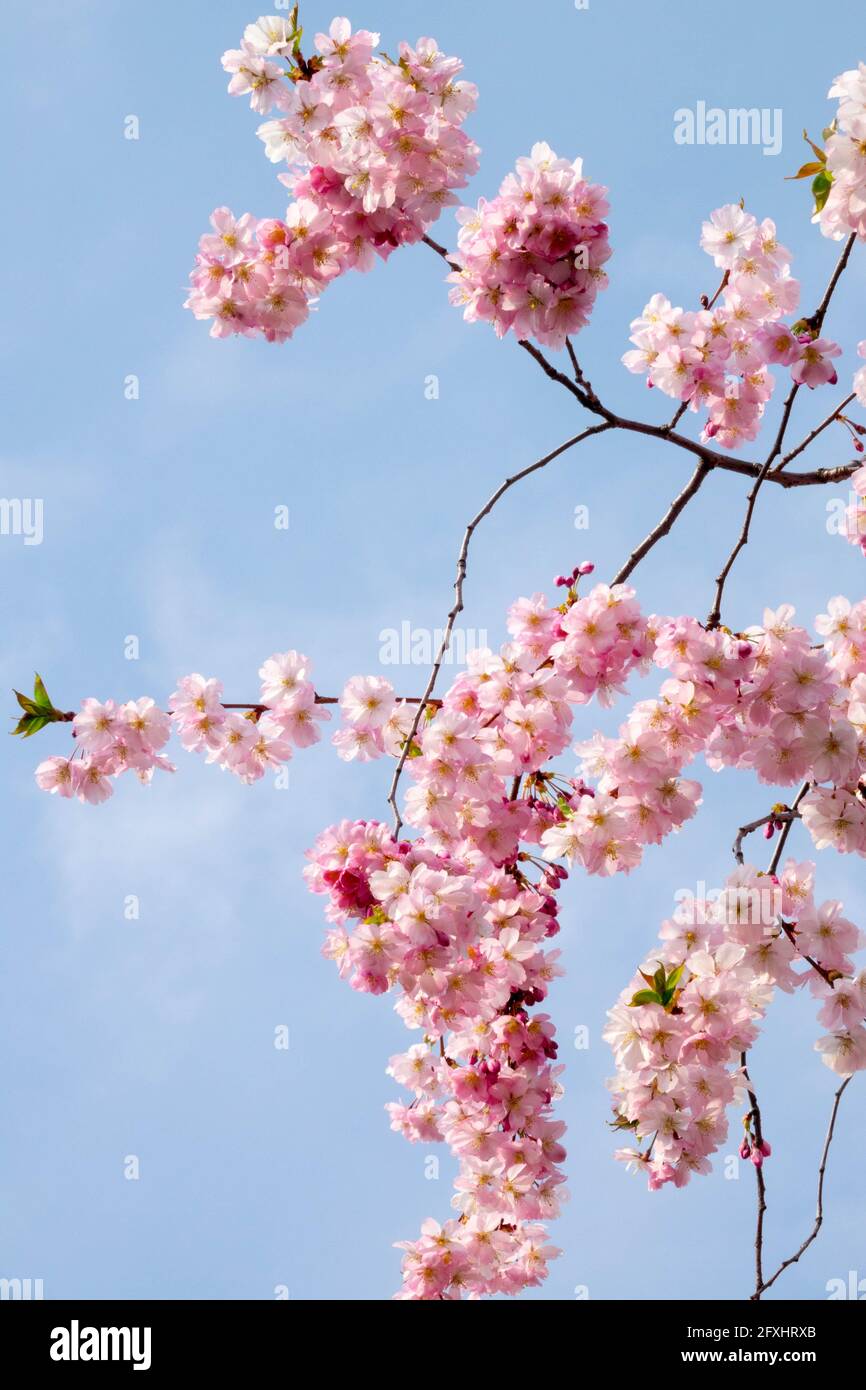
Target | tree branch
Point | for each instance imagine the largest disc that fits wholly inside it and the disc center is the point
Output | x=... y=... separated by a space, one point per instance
x=763 y=1285
x=755 y=1118
x=819 y=429
x=817 y=319
x=679 y=503
x=457 y=607
x=787 y=815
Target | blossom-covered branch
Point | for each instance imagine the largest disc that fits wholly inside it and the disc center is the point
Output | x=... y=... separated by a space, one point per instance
x=455 y=916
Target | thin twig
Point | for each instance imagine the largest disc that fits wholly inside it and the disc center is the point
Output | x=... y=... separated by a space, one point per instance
x=708 y=303
x=583 y=392
x=715 y=614
x=763 y=1285
x=786 y=830
x=787 y=816
x=578 y=371
x=679 y=503
x=457 y=606
x=813 y=434
x=755 y=1118
x=440 y=251
x=821 y=311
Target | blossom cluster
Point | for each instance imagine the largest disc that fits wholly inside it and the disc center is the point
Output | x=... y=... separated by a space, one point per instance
x=457 y=920
x=681 y=1028
x=530 y=261
x=462 y=939
x=843 y=209
x=766 y=700
x=246 y=741
x=375 y=151
x=717 y=359
x=835 y=815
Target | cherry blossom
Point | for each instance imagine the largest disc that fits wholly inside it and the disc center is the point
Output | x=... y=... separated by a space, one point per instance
x=530 y=260
x=375 y=152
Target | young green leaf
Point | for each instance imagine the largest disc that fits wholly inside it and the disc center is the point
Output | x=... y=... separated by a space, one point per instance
x=644 y=996
x=675 y=976
x=26 y=703
x=40 y=694
x=821 y=185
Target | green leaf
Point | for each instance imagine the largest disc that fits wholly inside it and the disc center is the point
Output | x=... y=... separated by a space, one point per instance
x=675 y=976
x=40 y=694
x=622 y=1122
x=659 y=979
x=821 y=185
x=30 y=724
x=35 y=724
x=644 y=996
x=26 y=703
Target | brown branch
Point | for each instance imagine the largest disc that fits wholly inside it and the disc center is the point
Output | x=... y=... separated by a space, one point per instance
x=440 y=251
x=588 y=402
x=715 y=614
x=582 y=390
x=708 y=303
x=742 y=540
x=763 y=1285
x=578 y=372
x=826 y=976
x=712 y=457
x=783 y=838
x=788 y=815
x=813 y=434
x=258 y=709
x=678 y=505
x=755 y=1118
x=820 y=314
x=457 y=607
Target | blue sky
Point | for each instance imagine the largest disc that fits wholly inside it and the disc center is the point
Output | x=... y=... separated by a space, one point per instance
x=154 y=1037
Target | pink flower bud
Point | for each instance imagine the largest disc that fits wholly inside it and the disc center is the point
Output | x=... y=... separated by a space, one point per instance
x=745 y=1149
x=323 y=180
